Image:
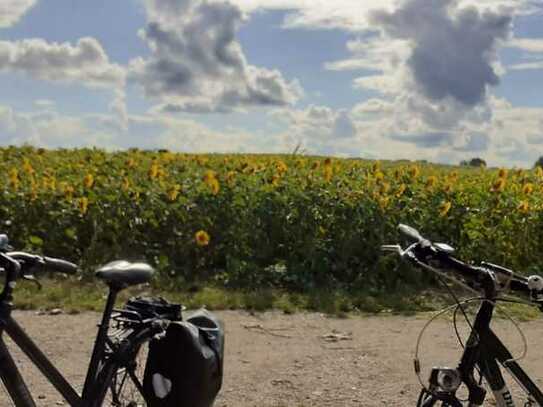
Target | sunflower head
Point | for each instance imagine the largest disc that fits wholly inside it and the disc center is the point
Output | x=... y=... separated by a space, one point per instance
x=414 y=172
x=444 y=208
x=401 y=190
x=523 y=206
x=202 y=238
x=83 y=205
x=173 y=192
x=88 y=181
x=431 y=182
x=527 y=188
x=499 y=185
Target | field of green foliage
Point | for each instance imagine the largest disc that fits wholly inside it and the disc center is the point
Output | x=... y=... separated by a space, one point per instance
x=252 y=221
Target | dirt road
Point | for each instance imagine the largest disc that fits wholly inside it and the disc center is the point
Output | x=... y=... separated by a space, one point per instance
x=298 y=360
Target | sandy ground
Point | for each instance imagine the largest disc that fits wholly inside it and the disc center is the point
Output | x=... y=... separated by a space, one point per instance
x=292 y=360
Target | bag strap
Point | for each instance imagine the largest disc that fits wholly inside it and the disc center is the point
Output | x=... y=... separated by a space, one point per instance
x=212 y=344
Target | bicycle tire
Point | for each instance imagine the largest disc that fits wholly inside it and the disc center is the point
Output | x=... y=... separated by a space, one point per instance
x=125 y=389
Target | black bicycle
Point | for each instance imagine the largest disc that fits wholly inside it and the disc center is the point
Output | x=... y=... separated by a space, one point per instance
x=483 y=353
x=115 y=371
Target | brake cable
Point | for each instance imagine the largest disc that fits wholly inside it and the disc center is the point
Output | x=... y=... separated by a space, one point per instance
x=460 y=305
x=421 y=334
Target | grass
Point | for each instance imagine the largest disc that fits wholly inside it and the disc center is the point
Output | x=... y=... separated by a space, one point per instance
x=76 y=296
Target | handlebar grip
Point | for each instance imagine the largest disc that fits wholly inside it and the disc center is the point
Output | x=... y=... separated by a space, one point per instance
x=59 y=265
x=410 y=232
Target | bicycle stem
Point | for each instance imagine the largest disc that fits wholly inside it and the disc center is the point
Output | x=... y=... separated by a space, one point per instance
x=13 y=269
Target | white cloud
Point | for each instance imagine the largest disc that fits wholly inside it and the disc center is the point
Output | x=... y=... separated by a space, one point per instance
x=197 y=65
x=453 y=48
x=373 y=54
x=533 y=45
x=52 y=129
x=433 y=63
x=373 y=107
x=386 y=84
x=44 y=104
x=524 y=66
x=49 y=129
x=533 y=49
x=119 y=110
x=353 y=15
x=318 y=130
x=85 y=63
x=191 y=136
x=11 y=11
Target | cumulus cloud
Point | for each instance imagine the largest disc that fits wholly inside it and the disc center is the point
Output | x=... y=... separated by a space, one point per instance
x=197 y=65
x=11 y=11
x=191 y=136
x=532 y=49
x=85 y=63
x=119 y=110
x=533 y=45
x=525 y=66
x=354 y=15
x=318 y=122
x=474 y=142
x=433 y=64
x=453 y=48
x=52 y=129
x=373 y=106
x=428 y=140
x=48 y=128
x=318 y=130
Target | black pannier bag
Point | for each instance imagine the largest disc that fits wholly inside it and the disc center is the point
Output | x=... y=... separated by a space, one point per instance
x=185 y=366
x=151 y=307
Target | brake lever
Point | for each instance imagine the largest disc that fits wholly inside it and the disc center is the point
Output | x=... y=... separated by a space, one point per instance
x=32 y=278
x=392 y=248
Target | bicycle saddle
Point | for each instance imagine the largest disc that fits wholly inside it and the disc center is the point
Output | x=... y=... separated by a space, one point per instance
x=122 y=273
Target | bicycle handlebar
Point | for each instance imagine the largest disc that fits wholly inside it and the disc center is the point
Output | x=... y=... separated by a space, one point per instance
x=59 y=265
x=29 y=261
x=16 y=264
x=423 y=252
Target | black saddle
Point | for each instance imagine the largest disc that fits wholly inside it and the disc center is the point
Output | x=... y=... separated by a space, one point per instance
x=121 y=273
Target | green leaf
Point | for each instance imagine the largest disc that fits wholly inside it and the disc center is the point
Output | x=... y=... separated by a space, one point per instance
x=36 y=241
x=71 y=233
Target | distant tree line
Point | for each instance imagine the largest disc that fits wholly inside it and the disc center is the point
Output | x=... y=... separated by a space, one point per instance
x=479 y=162
x=474 y=162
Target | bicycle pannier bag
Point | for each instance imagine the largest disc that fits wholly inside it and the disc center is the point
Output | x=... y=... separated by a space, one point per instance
x=185 y=366
x=151 y=307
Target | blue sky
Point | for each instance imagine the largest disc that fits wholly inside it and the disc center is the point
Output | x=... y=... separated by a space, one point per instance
x=441 y=80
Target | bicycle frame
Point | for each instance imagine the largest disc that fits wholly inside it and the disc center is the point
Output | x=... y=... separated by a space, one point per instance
x=486 y=350
x=98 y=377
x=483 y=351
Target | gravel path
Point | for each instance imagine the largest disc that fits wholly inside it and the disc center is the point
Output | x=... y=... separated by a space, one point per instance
x=292 y=360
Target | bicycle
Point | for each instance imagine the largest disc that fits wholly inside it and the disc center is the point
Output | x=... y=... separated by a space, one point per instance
x=483 y=352
x=115 y=364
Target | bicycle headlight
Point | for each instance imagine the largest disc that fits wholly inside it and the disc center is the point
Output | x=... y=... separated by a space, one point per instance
x=448 y=379
x=535 y=283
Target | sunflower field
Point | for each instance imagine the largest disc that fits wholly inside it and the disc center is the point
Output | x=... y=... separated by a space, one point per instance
x=251 y=221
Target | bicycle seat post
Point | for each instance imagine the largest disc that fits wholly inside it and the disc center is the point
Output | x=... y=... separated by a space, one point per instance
x=100 y=342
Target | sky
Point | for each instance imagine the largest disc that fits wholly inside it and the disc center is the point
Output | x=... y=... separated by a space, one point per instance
x=437 y=80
